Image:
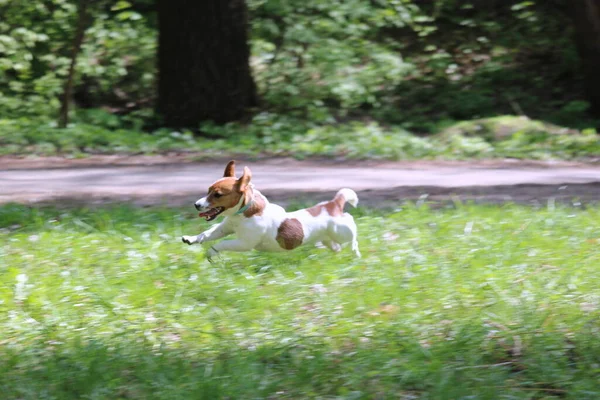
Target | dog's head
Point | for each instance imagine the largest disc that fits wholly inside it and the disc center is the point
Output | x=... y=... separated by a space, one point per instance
x=224 y=194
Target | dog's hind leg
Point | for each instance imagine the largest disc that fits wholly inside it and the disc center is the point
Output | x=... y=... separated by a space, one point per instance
x=355 y=248
x=353 y=228
x=333 y=246
x=344 y=231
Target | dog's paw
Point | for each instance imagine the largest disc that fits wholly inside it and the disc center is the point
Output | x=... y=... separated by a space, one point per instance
x=210 y=254
x=189 y=239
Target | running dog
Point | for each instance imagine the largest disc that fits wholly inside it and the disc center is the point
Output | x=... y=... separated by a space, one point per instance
x=264 y=226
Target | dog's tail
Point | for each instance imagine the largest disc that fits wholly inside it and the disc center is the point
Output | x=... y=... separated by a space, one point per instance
x=346 y=195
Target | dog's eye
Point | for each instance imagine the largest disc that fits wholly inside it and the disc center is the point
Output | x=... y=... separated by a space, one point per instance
x=217 y=195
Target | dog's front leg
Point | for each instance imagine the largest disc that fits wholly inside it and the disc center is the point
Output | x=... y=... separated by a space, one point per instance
x=231 y=245
x=215 y=232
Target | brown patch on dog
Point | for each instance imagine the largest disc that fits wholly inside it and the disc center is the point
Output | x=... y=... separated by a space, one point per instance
x=224 y=193
x=227 y=192
x=290 y=234
x=315 y=210
x=257 y=207
x=334 y=207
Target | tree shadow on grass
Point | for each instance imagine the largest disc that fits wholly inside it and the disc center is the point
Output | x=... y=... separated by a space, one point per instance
x=467 y=361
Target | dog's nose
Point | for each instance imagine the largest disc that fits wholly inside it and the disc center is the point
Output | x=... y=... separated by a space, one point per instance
x=201 y=203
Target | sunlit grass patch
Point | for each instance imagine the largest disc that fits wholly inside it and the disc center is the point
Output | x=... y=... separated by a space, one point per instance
x=445 y=303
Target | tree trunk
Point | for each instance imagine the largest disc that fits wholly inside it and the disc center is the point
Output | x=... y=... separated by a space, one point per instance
x=82 y=22
x=586 y=15
x=203 y=62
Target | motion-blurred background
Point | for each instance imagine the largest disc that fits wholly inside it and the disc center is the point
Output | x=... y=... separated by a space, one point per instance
x=389 y=79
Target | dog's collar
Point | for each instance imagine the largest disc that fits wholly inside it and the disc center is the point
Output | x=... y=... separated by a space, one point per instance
x=247 y=206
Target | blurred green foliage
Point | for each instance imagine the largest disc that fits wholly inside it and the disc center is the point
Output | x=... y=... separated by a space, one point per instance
x=418 y=65
x=116 y=65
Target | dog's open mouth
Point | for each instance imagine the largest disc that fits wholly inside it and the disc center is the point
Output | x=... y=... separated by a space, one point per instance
x=211 y=213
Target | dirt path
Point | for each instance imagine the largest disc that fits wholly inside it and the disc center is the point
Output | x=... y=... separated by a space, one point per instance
x=152 y=181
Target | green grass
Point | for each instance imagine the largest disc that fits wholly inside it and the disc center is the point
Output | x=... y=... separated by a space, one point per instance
x=280 y=135
x=475 y=302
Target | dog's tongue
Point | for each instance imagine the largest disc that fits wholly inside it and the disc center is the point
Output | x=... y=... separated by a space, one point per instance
x=209 y=213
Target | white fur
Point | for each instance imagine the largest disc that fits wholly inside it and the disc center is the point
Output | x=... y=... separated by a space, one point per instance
x=202 y=203
x=260 y=231
x=350 y=196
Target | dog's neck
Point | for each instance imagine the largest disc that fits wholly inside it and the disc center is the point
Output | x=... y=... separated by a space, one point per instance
x=248 y=204
x=244 y=204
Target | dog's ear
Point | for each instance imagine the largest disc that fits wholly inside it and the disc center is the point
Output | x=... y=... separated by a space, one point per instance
x=245 y=179
x=229 y=169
